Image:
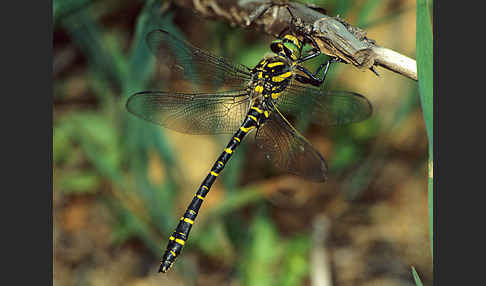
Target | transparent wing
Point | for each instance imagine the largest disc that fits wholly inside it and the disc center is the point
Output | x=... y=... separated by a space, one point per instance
x=198 y=66
x=287 y=149
x=197 y=113
x=324 y=107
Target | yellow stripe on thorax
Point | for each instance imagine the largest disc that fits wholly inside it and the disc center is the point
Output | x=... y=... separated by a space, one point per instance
x=281 y=77
x=257 y=109
x=271 y=65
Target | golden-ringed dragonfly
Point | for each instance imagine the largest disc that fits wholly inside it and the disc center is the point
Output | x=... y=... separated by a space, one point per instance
x=254 y=99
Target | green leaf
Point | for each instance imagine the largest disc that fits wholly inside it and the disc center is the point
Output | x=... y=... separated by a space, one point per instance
x=61 y=145
x=87 y=35
x=425 y=64
x=425 y=83
x=79 y=182
x=61 y=8
x=261 y=253
x=99 y=139
x=214 y=240
x=140 y=61
x=295 y=266
x=142 y=135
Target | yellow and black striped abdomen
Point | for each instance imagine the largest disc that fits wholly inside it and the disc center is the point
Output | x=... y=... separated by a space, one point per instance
x=179 y=237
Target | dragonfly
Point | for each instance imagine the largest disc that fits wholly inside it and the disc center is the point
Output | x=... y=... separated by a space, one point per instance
x=251 y=99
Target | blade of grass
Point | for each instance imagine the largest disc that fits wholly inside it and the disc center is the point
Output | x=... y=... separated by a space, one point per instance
x=214 y=241
x=142 y=137
x=141 y=64
x=63 y=8
x=86 y=34
x=261 y=252
x=127 y=204
x=117 y=72
x=295 y=266
x=425 y=84
x=416 y=277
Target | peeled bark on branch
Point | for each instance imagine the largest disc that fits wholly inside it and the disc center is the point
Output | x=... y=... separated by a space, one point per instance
x=334 y=36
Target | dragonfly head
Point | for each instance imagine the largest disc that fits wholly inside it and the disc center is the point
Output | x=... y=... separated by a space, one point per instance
x=288 y=46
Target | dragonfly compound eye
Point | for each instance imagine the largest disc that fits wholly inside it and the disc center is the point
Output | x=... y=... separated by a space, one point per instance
x=277 y=46
x=291 y=49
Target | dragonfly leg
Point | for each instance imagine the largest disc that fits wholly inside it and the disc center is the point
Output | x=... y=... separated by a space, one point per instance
x=311 y=78
x=309 y=56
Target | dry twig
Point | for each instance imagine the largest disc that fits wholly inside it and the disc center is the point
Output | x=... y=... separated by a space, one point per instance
x=334 y=36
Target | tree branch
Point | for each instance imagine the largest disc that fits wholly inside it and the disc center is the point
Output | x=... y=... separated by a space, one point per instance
x=334 y=36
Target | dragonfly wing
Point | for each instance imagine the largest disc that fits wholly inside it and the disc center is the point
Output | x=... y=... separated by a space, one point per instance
x=324 y=107
x=198 y=66
x=287 y=149
x=196 y=113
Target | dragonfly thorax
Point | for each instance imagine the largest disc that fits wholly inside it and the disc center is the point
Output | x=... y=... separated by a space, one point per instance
x=271 y=76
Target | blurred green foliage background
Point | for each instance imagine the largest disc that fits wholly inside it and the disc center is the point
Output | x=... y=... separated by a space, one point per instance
x=120 y=183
